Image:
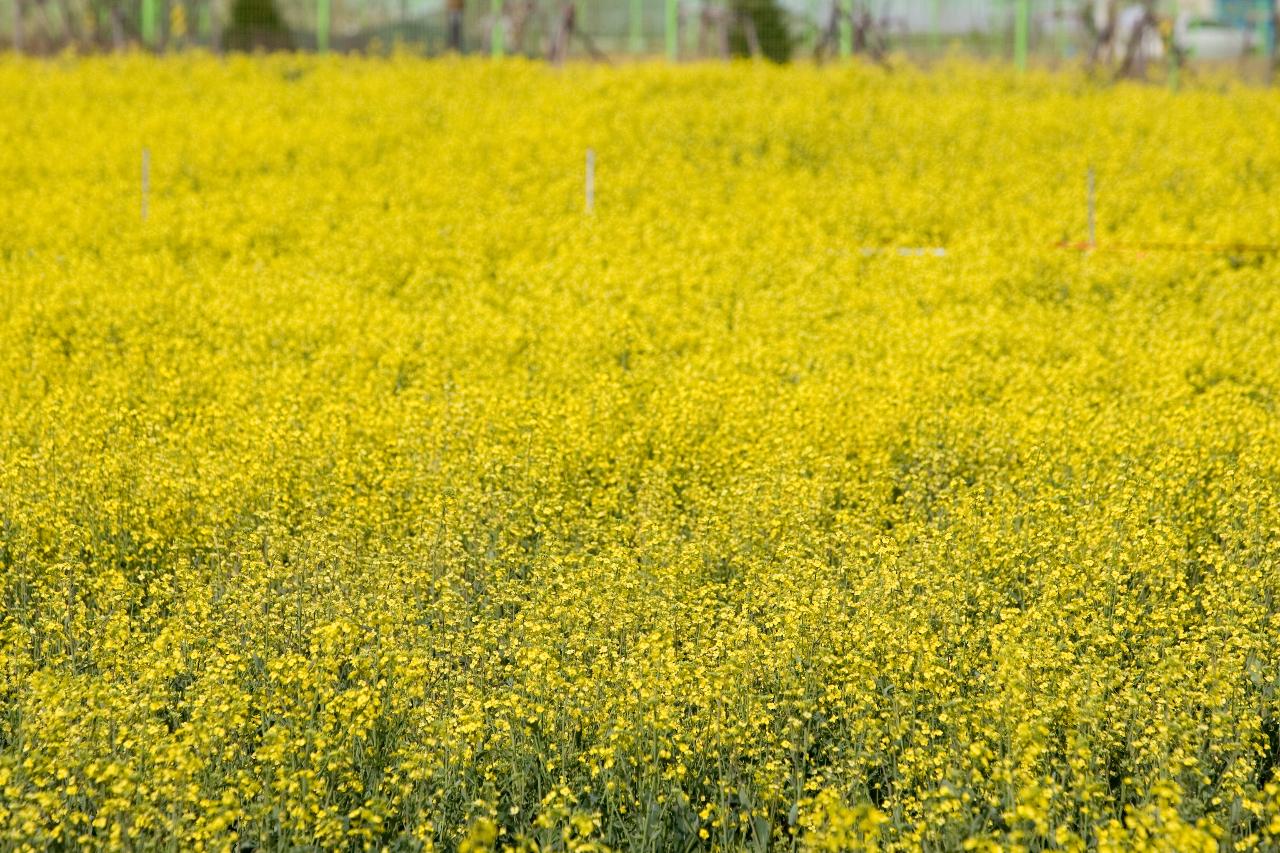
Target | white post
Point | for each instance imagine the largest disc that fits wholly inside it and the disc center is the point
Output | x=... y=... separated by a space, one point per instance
x=591 y=180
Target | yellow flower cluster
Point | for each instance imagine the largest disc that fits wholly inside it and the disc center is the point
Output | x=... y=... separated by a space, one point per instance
x=371 y=493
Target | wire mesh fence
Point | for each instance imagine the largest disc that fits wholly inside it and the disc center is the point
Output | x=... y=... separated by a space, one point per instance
x=607 y=30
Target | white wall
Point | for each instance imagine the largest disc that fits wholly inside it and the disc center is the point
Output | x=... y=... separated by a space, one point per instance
x=964 y=16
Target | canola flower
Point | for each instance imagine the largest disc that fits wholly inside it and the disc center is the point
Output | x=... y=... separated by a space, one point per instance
x=372 y=495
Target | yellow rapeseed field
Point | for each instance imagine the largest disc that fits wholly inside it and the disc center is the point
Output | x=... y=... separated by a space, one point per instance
x=372 y=494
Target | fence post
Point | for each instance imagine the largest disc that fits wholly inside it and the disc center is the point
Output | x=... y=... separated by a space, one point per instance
x=497 y=40
x=690 y=31
x=935 y=26
x=1273 y=38
x=323 y=14
x=672 y=27
x=846 y=28
x=1060 y=25
x=1267 y=23
x=1175 y=65
x=637 y=27
x=815 y=29
x=150 y=22
x=1021 y=22
x=15 y=20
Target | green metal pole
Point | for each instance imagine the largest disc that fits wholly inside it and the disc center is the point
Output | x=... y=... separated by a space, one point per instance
x=672 y=30
x=56 y=21
x=15 y=8
x=690 y=33
x=846 y=28
x=637 y=27
x=935 y=27
x=323 y=16
x=1022 y=17
x=1272 y=37
x=1060 y=24
x=1263 y=13
x=497 y=42
x=150 y=22
x=814 y=26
